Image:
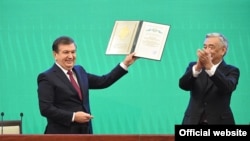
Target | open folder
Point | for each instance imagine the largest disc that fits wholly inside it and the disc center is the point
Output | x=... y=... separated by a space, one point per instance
x=146 y=39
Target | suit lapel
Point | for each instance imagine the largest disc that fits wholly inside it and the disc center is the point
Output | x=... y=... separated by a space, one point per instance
x=210 y=83
x=79 y=80
x=204 y=80
x=61 y=75
x=222 y=67
x=83 y=84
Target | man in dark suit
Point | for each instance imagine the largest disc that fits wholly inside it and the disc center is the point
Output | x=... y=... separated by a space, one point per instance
x=67 y=108
x=211 y=83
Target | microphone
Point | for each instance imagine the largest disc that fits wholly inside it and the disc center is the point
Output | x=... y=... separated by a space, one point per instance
x=21 y=115
x=2 y=114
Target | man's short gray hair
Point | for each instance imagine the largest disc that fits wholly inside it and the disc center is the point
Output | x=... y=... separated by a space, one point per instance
x=220 y=36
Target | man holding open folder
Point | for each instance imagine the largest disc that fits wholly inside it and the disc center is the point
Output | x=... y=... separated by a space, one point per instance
x=63 y=89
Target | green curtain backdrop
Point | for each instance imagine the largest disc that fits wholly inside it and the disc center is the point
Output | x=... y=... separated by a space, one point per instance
x=145 y=101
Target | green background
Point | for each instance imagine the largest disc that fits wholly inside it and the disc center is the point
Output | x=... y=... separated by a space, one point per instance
x=145 y=101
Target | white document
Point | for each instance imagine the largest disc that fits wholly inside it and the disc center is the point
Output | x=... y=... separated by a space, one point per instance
x=146 y=39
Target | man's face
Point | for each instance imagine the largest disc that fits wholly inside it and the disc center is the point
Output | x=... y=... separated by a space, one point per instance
x=66 y=56
x=215 y=48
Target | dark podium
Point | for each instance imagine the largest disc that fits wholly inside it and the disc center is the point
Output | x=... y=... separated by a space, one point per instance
x=78 y=137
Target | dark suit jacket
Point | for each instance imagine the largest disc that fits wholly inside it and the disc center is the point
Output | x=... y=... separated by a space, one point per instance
x=58 y=99
x=210 y=95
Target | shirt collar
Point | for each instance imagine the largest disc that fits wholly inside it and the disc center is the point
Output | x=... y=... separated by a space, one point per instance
x=216 y=65
x=64 y=70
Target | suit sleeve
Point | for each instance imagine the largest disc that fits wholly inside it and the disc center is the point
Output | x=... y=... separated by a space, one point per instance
x=46 y=96
x=186 y=80
x=104 y=81
x=226 y=79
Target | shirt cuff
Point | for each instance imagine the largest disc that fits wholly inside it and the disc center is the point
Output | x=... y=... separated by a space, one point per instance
x=195 y=73
x=211 y=71
x=123 y=66
x=73 y=117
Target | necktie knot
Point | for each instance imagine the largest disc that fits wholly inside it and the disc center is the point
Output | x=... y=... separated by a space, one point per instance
x=69 y=72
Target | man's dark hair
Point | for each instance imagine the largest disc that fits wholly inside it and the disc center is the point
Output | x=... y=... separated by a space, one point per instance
x=63 y=40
